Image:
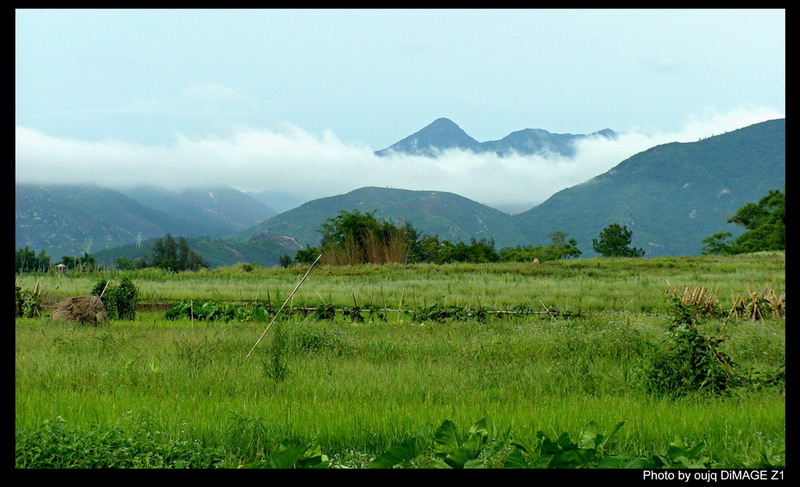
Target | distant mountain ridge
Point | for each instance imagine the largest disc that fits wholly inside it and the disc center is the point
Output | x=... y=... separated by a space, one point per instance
x=443 y=134
x=72 y=219
x=448 y=215
x=219 y=209
x=671 y=196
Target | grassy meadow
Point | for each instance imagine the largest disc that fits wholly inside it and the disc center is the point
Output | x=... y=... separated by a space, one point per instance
x=343 y=390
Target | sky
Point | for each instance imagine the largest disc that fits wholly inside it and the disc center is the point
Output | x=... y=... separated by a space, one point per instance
x=295 y=102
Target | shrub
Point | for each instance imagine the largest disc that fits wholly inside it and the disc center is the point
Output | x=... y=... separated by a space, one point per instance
x=28 y=303
x=119 y=301
x=693 y=361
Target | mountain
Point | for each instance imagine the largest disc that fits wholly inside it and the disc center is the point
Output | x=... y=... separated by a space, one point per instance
x=219 y=210
x=537 y=141
x=440 y=135
x=447 y=215
x=443 y=134
x=72 y=219
x=671 y=196
x=279 y=201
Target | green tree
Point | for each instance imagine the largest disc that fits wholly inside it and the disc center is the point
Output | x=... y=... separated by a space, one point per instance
x=429 y=248
x=306 y=256
x=175 y=255
x=765 y=228
x=718 y=244
x=24 y=259
x=560 y=248
x=85 y=263
x=614 y=241
x=480 y=251
x=523 y=253
x=355 y=238
x=165 y=253
x=43 y=260
x=125 y=263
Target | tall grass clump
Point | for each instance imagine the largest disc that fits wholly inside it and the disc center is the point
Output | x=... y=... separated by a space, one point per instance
x=275 y=364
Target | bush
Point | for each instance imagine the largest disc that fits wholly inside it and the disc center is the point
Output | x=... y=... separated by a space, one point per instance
x=693 y=361
x=120 y=301
x=28 y=303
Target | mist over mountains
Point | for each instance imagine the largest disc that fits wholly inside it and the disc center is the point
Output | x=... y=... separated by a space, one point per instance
x=443 y=134
x=671 y=196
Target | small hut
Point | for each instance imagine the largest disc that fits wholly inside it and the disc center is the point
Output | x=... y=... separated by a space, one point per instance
x=83 y=309
x=60 y=268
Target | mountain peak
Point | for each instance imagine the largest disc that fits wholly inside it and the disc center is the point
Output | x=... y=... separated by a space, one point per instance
x=440 y=135
x=443 y=134
x=443 y=122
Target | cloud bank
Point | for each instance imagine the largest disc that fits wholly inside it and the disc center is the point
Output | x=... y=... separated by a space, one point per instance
x=304 y=166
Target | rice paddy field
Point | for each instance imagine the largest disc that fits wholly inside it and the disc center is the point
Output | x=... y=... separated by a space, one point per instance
x=551 y=365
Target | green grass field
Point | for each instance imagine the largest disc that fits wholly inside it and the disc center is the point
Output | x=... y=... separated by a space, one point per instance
x=162 y=393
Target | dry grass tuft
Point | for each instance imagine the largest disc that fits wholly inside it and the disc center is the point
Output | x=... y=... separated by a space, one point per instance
x=756 y=305
x=83 y=309
x=698 y=298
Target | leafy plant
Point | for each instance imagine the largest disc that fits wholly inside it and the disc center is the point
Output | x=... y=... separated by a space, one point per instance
x=693 y=361
x=55 y=446
x=468 y=450
x=402 y=453
x=325 y=312
x=293 y=457
x=563 y=452
x=678 y=455
x=120 y=301
x=214 y=311
x=28 y=302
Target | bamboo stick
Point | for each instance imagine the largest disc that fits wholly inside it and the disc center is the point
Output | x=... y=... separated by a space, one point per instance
x=282 y=306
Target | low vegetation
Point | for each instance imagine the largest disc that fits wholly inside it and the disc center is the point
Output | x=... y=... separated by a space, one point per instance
x=565 y=364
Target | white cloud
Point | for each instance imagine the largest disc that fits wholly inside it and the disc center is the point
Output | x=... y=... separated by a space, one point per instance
x=663 y=63
x=211 y=93
x=292 y=161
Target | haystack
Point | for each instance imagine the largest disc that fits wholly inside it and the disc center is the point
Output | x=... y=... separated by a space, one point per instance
x=83 y=309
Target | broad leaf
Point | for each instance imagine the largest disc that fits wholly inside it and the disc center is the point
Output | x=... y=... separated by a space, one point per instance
x=479 y=428
x=589 y=437
x=516 y=459
x=286 y=456
x=399 y=453
x=446 y=438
